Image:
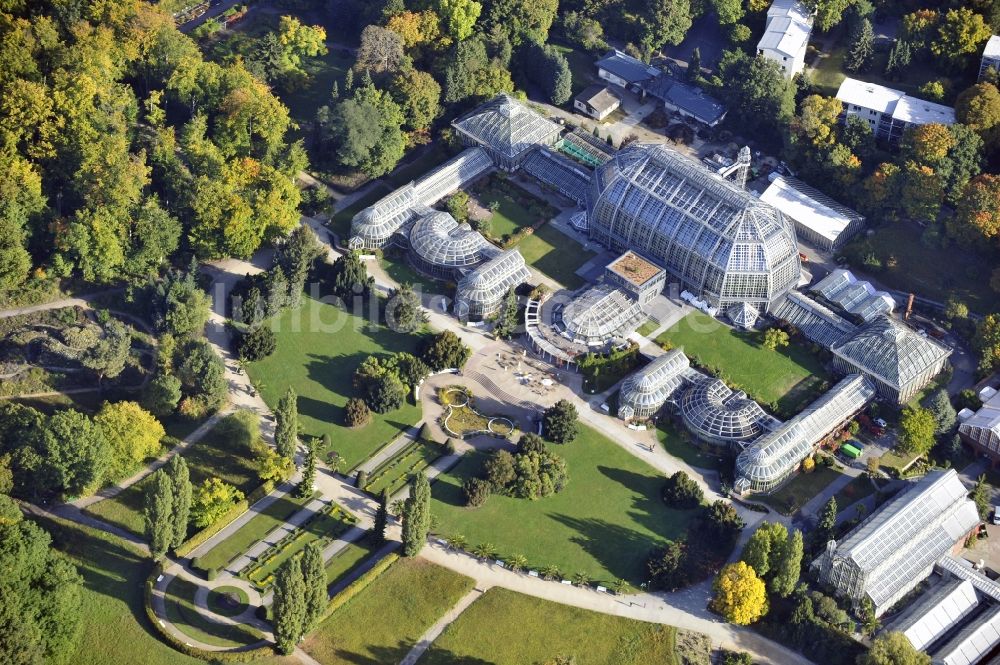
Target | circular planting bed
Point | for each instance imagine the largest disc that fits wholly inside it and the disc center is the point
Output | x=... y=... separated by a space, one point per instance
x=228 y=601
x=501 y=426
x=456 y=398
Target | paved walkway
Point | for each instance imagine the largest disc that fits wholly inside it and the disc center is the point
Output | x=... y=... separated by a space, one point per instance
x=434 y=631
x=407 y=437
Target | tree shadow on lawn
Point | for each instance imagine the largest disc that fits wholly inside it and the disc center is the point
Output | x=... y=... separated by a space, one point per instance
x=334 y=372
x=649 y=506
x=620 y=550
x=381 y=655
x=326 y=412
x=447 y=488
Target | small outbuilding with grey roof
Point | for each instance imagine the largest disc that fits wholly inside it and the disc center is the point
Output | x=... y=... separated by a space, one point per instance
x=597 y=101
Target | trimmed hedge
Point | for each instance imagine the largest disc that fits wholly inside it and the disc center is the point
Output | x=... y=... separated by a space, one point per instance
x=358 y=585
x=218 y=525
x=176 y=644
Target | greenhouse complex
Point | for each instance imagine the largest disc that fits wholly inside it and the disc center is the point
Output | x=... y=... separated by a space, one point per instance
x=897 y=547
x=677 y=223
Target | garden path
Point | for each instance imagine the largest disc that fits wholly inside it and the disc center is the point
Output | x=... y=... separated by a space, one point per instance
x=434 y=631
x=404 y=439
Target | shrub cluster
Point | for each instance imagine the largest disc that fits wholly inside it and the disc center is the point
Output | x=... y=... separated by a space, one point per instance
x=700 y=553
x=532 y=472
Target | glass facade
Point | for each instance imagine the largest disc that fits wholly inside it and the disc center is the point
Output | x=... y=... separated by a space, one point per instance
x=714 y=236
x=718 y=415
x=599 y=315
x=481 y=292
x=775 y=456
x=442 y=248
x=647 y=390
x=507 y=129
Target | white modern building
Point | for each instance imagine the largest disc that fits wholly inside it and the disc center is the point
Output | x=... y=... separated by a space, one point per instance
x=991 y=57
x=786 y=35
x=888 y=111
x=982 y=429
x=819 y=220
x=898 y=546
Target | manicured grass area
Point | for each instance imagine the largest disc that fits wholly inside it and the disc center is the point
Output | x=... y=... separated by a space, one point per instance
x=799 y=490
x=346 y=559
x=224 y=452
x=930 y=272
x=228 y=601
x=395 y=472
x=113 y=626
x=259 y=526
x=184 y=615
x=324 y=527
x=507 y=628
x=784 y=380
x=552 y=252
x=897 y=461
x=397 y=268
x=319 y=347
x=678 y=442
x=603 y=523
x=857 y=489
x=340 y=222
x=648 y=327
x=384 y=620
x=510 y=217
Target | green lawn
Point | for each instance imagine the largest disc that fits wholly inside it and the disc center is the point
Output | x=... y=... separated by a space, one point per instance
x=340 y=222
x=918 y=268
x=346 y=559
x=552 y=252
x=507 y=628
x=184 y=615
x=799 y=490
x=383 y=621
x=510 y=217
x=395 y=472
x=857 y=489
x=319 y=347
x=678 y=442
x=604 y=523
x=649 y=327
x=224 y=452
x=114 y=627
x=259 y=526
x=828 y=73
x=784 y=380
x=400 y=270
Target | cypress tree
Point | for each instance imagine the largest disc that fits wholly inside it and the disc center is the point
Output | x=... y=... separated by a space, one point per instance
x=335 y=91
x=159 y=514
x=314 y=578
x=381 y=516
x=416 y=516
x=287 y=427
x=181 y=481
x=349 y=79
x=289 y=605
x=305 y=487
x=694 y=65
x=827 y=520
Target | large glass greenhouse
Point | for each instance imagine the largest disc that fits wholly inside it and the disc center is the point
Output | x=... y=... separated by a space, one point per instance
x=714 y=236
x=599 y=315
x=896 y=548
x=645 y=392
x=443 y=248
x=718 y=415
x=481 y=292
x=817 y=322
x=856 y=296
x=507 y=129
x=776 y=455
x=893 y=356
x=377 y=225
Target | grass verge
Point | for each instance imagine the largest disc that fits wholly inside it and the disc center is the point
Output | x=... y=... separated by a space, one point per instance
x=385 y=620
x=602 y=524
x=799 y=490
x=184 y=615
x=508 y=628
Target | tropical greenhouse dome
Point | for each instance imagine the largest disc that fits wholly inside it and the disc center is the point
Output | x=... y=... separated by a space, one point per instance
x=710 y=233
x=647 y=390
x=441 y=247
x=599 y=315
x=718 y=415
x=481 y=292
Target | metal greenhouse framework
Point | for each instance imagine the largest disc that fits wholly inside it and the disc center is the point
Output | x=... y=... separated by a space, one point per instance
x=481 y=292
x=599 y=315
x=645 y=392
x=442 y=248
x=721 y=416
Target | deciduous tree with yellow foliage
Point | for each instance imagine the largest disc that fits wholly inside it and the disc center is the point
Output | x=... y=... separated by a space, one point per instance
x=740 y=596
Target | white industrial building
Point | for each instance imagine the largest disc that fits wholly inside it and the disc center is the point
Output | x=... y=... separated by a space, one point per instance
x=819 y=220
x=898 y=546
x=991 y=57
x=888 y=111
x=786 y=35
x=981 y=430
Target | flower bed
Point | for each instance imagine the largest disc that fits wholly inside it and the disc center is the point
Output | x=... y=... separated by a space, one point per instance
x=462 y=420
x=325 y=526
x=394 y=473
